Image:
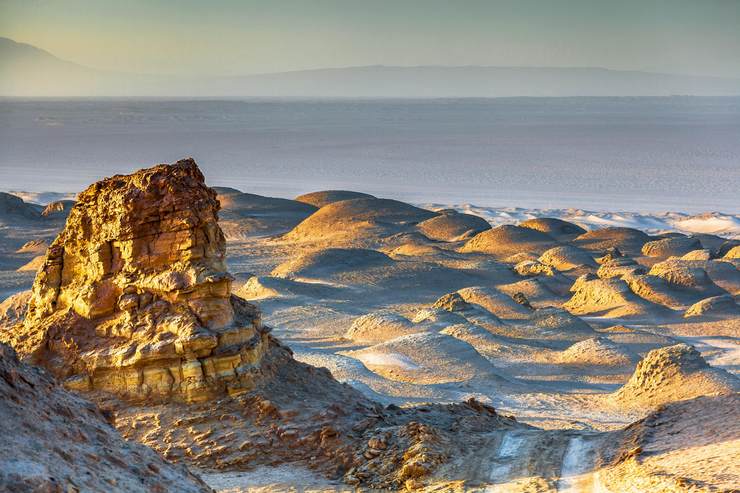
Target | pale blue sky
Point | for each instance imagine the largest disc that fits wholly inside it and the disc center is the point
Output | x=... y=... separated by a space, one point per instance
x=240 y=37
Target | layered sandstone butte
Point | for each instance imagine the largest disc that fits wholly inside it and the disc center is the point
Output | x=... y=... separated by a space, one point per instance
x=134 y=298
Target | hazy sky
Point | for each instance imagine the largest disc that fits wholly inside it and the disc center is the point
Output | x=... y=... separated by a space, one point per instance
x=240 y=36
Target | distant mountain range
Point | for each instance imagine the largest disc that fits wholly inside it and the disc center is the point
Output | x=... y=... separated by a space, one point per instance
x=27 y=71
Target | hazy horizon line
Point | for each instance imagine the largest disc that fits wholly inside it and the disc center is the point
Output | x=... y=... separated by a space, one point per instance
x=363 y=66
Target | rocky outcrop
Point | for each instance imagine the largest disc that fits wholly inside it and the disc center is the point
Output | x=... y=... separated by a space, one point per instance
x=33 y=246
x=626 y=240
x=597 y=351
x=609 y=297
x=674 y=373
x=475 y=314
x=56 y=441
x=134 y=299
x=716 y=305
x=673 y=246
x=733 y=253
x=534 y=268
x=687 y=275
x=14 y=210
x=686 y=446
x=58 y=210
x=496 y=302
x=567 y=257
x=702 y=254
x=618 y=267
x=377 y=327
x=33 y=265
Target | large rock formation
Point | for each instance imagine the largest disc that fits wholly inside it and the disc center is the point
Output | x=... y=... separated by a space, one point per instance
x=134 y=298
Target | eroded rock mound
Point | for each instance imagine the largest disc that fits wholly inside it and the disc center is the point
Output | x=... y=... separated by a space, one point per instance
x=609 y=297
x=528 y=268
x=13 y=309
x=597 y=351
x=674 y=373
x=246 y=214
x=451 y=226
x=627 y=240
x=326 y=197
x=259 y=287
x=80 y=451
x=557 y=228
x=618 y=267
x=496 y=302
x=33 y=246
x=686 y=275
x=14 y=210
x=556 y=323
x=58 y=210
x=134 y=298
x=377 y=327
x=358 y=222
x=702 y=254
x=716 y=305
x=426 y=358
x=504 y=241
x=672 y=246
x=567 y=257
x=733 y=253
x=331 y=263
x=679 y=447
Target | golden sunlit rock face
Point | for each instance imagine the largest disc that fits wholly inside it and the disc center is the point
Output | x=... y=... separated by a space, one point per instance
x=134 y=298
